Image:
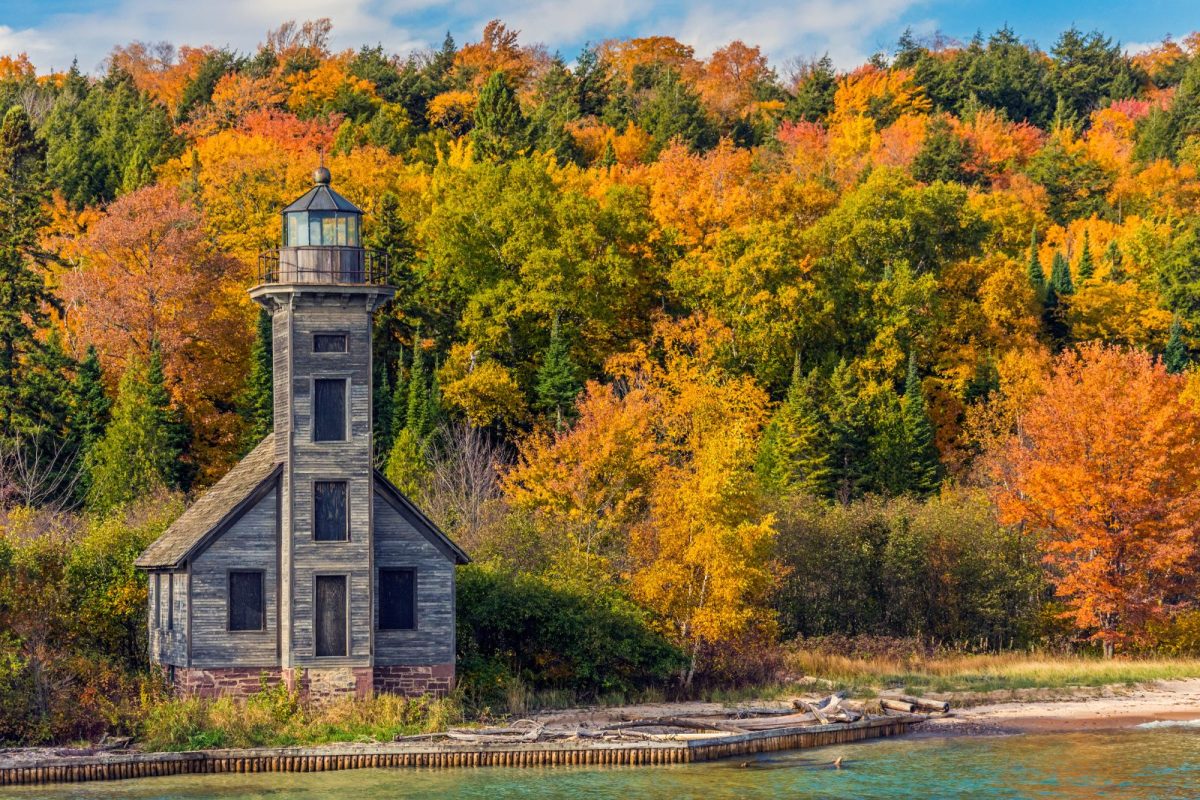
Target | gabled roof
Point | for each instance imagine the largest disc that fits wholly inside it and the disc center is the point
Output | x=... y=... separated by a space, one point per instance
x=322 y=198
x=423 y=524
x=221 y=505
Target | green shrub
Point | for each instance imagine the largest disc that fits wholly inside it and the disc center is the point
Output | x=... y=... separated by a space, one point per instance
x=521 y=636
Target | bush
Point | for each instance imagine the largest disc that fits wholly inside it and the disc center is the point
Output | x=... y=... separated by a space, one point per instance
x=943 y=569
x=520 y=634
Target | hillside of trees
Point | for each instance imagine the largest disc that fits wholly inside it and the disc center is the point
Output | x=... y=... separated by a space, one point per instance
x=712 y=353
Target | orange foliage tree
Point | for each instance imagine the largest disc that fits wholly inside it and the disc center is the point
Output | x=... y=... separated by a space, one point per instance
x=658 y=480
x=1105 y=468
x=149 y=274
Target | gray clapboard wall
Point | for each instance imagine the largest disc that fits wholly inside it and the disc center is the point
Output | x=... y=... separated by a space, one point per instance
x=399 y=545
x=168 y=627
x=248 y=544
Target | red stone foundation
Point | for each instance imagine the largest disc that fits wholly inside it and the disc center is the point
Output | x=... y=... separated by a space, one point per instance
x=317 y=685
x=220 y=681
x=413 y=681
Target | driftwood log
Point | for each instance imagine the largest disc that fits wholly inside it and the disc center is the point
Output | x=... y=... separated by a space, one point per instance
x=891 y=704
x=925 y=704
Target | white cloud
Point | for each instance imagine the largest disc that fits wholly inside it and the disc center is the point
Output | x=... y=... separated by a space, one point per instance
x=849 y=30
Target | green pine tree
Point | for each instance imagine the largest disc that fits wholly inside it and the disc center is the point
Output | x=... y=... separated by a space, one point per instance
x=1176 y=358
x=408 y=462
x=136 y=454
x=1037 y=275
x=174 y=428
x=609 y=157
x=90 y=412
x=24 y=298
x=792 y=459
x=381 y=411
x=421 y=415
x=849 y=435
x=944 y=156
x=1060 y=277
x=557 y=378
x=924 y=466
x=258 y=396
x=890 y=456
x=500 y=127
x=1086 y=267
x=1116 y=267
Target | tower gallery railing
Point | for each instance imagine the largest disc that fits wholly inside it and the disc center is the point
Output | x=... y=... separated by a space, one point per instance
x=323 y=265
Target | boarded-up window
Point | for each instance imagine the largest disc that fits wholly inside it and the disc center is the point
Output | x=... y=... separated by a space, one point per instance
x=329 y=409
x=329 y=511
x=397 y=599
x=171 y=601
x=330 y=624
x=329 y=343
x=246 y=601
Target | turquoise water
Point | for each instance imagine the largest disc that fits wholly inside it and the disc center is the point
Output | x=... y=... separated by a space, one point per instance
x=1155 y=763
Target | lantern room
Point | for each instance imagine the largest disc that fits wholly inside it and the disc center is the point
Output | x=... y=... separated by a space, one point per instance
x=322 y=218
x=322 y=242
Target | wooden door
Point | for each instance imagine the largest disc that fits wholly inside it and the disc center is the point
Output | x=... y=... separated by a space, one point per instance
x=330 y=625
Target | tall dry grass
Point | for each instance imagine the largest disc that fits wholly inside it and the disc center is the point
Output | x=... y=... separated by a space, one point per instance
x=276 y=717
x=964 y=672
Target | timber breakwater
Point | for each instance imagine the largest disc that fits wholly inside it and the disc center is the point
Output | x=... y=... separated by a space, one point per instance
x=426 y=754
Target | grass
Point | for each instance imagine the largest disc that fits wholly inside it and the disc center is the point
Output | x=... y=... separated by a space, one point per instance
x=274 y=717
x=982 y=673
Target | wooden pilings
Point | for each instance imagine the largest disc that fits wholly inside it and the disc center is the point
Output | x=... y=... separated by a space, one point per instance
x=109 y=767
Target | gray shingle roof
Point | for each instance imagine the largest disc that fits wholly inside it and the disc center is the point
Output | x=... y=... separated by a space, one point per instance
x=223 y=502
x=322 y=198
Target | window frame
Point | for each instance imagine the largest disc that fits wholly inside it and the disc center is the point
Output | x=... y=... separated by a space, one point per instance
x=415 y=597
x=170 y=601
x=345 y=381
x=155 y=600
x=262 y=582
x=345 y=576
x=345 y=343
x=313 y=491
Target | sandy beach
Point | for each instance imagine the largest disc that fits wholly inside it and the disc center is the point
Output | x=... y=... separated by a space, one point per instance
x=1084 y=710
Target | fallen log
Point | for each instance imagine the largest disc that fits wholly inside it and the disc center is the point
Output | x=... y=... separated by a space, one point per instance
x=925 y=704
x=677 y=722
x=889 y=704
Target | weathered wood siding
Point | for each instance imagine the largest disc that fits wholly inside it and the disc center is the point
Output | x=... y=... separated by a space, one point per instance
x=348 y=460
x=399 y=545
x=168 y=633
x=248 y=544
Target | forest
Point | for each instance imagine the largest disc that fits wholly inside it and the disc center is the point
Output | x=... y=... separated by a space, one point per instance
x=698 y=357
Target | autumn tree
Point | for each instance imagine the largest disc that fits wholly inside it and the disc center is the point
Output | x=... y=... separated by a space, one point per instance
x=150 y=276
x=1106 y=471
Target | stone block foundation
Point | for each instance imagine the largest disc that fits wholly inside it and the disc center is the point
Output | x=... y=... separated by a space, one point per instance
x=413 y=681
x=317 y=685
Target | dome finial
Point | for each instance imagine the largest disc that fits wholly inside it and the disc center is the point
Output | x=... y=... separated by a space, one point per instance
x=321 y=176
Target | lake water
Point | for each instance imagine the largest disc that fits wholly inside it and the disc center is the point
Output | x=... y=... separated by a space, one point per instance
x=1162 y=762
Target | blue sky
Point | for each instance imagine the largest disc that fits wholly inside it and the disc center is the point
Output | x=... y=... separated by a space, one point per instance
x=53 y=32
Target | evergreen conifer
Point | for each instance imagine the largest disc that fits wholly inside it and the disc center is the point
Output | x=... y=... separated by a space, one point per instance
x=136 y=454
x=557 y=378
x=1176 y=358
x=792 y=458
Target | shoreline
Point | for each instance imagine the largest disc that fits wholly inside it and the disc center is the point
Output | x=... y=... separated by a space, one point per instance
x=1107 y=709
